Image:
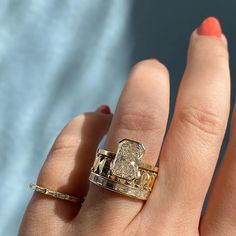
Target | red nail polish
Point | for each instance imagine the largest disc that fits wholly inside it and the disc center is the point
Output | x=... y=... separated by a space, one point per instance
x=210 y=27
x=104 y=109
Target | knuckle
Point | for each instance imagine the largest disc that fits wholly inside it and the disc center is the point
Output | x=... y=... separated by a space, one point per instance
x=69 y=141
x=90 y=117
x=72 y=135
x=142 y=67
x=64 y=146
x=136 y=120
x=64 y=143
x=203 y=119
x=68 y=146
x=209 y=49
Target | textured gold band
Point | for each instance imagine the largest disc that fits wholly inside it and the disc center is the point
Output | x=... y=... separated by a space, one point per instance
x=55 y=194
x=142 y=165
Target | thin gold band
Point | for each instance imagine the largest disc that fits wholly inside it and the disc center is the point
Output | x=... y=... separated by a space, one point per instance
x=55 y=194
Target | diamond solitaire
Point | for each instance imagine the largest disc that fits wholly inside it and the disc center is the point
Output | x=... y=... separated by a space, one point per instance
x=126 y=162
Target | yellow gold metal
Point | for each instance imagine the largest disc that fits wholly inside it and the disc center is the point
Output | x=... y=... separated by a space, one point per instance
x=106 y=153
x=147 y=166
x=55 y=194
x=142 y=165
x=117 y=187
x=123 y=172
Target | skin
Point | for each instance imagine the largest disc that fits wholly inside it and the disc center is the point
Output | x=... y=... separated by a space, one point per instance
x=187 y=156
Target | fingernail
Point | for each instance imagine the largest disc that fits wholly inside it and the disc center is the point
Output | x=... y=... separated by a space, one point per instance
x=210 y=27
x=104 y=109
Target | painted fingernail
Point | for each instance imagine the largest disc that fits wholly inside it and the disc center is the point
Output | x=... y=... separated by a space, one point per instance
x=210 y=27
x=104 y=109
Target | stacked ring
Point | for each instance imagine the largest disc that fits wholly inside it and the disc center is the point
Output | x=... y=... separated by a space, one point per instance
x=123 y=172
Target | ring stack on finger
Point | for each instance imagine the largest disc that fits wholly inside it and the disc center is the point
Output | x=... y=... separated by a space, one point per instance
x=123 y=172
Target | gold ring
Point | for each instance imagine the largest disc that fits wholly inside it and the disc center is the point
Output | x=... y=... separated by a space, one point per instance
x=55 y=194
x=123 y=172
x=117 y=187
x=142 y=165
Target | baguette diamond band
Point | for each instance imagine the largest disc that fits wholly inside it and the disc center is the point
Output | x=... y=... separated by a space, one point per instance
x=55 y=194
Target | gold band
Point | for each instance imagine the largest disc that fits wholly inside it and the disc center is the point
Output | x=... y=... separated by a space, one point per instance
x=106 y=153
x=55 y=194
x=142 y=165
x=123 y=172
x=145 y=180
x=117 y=187
x=149 y=167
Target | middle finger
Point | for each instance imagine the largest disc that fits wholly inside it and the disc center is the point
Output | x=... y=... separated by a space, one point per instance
x=194 y=139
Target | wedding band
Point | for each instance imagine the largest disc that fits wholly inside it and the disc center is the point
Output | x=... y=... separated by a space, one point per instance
x=124 y=172
x=117 y=187
x=55 y=194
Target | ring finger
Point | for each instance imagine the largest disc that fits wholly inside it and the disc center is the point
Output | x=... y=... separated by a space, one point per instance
x=141 y=115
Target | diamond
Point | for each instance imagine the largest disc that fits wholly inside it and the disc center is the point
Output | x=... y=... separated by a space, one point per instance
x=125 y=164
x=133 y=192
x=42 y=190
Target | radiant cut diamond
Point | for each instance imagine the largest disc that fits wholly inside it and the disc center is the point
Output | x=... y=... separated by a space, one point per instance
x=125 y=164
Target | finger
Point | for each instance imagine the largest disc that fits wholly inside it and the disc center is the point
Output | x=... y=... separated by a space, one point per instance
x=195 y=136
x=67 y=168
x=220 y=215
x=141 y=115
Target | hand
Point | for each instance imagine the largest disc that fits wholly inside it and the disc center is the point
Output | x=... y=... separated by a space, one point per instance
x=187 y=156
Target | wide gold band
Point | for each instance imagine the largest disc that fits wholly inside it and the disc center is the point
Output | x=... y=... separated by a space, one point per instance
x=117 y=187
x=55 y=194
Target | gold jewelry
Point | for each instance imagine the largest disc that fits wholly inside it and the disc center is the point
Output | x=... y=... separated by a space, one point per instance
x=122 y=172
x=142 y=165
x=117 y=187
x=55 y=194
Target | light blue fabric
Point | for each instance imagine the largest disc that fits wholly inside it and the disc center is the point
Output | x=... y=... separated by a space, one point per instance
x=57 y=59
